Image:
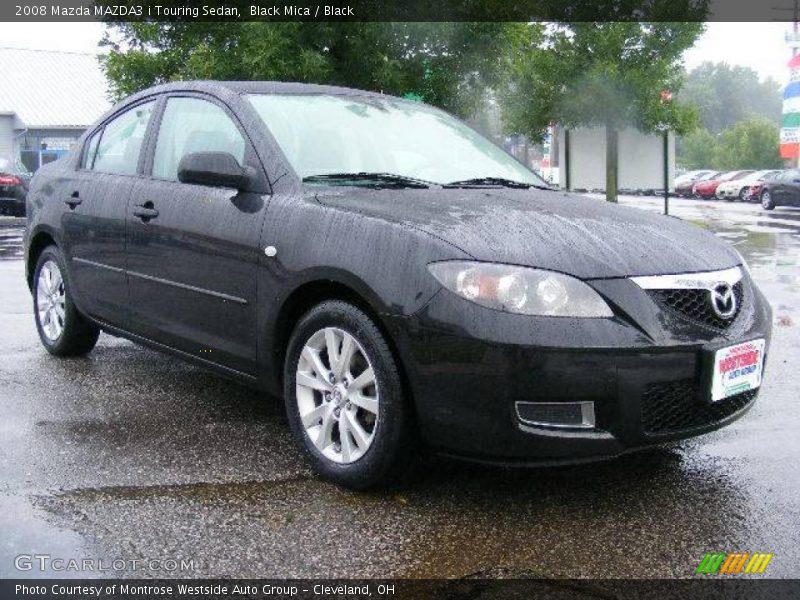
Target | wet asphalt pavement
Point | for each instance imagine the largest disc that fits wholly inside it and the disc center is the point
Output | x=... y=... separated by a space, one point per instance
x=129 y=454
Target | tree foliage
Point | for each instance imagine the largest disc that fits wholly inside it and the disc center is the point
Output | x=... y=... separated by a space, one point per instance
x=446 y=64
x=725 y=95
x=749 y=144
x=599 y=74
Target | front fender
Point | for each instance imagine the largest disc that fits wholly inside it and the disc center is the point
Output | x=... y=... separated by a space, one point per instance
x=381 y=262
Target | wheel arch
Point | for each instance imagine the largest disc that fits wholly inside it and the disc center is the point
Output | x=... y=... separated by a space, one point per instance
x=314 y=291
x=40 y=240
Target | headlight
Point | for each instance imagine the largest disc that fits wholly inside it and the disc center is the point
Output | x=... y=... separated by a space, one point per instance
x=520 y=290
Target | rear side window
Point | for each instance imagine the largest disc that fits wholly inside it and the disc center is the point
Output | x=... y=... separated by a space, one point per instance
x=193 y=125
x=121 y=141
x=91 y=150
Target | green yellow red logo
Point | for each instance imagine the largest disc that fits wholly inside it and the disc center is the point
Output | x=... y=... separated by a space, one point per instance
x=736 y=563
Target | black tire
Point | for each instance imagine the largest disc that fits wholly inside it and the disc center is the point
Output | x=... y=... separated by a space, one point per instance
x=742 y=195
x=78 y=335
x=389 y=454
x=767 y=201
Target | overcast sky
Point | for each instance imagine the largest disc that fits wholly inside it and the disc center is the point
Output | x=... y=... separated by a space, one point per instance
x=760 y=46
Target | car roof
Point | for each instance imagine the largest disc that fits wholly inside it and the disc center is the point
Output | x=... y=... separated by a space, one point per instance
x=257 y=87
x=225 y=89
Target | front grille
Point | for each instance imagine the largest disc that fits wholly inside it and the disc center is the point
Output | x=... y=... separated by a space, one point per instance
x=676 y=406
x=694 y=305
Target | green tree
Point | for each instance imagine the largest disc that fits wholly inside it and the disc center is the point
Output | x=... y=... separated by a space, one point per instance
x=599 y=74
x=725 y=95
x=698 y=150
x=749 y=144
x=446 y=64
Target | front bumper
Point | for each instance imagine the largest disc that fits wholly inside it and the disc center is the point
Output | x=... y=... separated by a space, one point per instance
x=647 y=378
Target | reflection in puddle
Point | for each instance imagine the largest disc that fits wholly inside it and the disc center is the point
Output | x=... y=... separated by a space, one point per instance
x=11 y=238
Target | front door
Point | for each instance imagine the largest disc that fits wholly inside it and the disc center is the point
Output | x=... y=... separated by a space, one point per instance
x=193 y=249
x=93 y=220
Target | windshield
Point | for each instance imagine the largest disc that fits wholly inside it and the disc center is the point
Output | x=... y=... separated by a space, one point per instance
x=327 y=135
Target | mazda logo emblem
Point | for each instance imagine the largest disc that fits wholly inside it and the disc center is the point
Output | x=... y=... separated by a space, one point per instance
x=723 y=300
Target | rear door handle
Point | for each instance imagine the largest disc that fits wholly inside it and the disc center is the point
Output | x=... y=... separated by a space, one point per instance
x=145 y=211
x=73 y=200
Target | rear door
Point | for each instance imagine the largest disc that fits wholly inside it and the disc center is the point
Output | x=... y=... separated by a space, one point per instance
x=93 y=221
x=192 y=265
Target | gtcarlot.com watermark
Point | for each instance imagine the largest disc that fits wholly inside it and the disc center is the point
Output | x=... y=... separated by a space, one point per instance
x=48 y=563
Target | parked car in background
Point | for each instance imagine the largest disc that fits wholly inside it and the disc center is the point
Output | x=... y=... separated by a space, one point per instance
x=753 y=192
x=688 y=178
x=736 y=188
x=782 y=190
x=685 y=187
x=13 y=187
x=708 y=189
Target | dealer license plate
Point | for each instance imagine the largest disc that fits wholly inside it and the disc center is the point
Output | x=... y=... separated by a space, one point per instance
x=737 y=369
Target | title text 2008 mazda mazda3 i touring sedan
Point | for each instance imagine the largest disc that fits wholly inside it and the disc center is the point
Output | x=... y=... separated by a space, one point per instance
x=396 y=277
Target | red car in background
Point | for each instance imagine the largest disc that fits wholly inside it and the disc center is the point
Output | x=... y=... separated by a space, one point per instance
x=753 y=193
x=708 y=189
x=685 y=187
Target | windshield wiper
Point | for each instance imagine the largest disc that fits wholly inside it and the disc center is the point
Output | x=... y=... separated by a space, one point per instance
x=496 y=181
x=380 y=178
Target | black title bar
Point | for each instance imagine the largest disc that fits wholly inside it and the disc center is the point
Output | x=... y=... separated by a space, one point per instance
x=399 y=10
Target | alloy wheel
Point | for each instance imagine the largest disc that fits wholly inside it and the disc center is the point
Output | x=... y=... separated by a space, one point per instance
x=337 y=395
x=51 y=301
x=766 y=200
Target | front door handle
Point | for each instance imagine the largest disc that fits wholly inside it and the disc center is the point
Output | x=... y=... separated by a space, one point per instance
x=73 y=200
x=145 y=211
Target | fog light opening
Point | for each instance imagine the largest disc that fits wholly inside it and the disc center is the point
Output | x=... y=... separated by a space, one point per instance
x=563 y=415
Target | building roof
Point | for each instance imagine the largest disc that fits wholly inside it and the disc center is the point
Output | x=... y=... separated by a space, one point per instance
x=48 y=89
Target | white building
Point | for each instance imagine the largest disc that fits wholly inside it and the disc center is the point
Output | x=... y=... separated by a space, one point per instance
x=582 y=160
x=47 y=99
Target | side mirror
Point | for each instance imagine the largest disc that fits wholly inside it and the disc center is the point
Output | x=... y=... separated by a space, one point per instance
x=218 y=169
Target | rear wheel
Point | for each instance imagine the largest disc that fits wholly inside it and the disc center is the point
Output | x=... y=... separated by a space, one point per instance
x=344 y=397
x=62 y=329
x=743 y=195
x=767 y=202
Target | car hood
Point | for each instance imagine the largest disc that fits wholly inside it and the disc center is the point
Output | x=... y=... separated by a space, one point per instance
x=584 y=237
x=731 y=185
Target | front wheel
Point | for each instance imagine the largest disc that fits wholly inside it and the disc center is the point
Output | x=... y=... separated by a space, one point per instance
x=767 y=202
x=62 y=329
x=344 y=397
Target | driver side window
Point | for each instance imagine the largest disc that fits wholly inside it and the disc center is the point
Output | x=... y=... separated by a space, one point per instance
x=193 y=125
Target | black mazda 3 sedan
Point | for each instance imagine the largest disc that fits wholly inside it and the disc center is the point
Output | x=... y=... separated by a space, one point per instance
x=396 y=277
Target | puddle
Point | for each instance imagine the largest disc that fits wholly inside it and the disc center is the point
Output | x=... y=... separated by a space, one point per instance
x=10 y=240
x=27 y=534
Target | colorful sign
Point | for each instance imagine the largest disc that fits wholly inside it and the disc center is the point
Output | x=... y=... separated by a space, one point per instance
x=790 y=124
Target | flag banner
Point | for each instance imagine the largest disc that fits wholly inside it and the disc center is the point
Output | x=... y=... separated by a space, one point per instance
x=790 y=135
x=791 y=105
x=790 y=121
x=790 y=151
